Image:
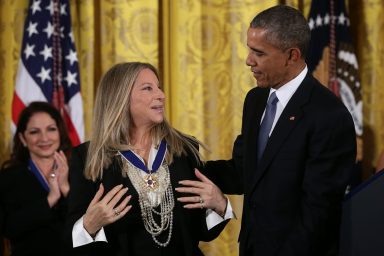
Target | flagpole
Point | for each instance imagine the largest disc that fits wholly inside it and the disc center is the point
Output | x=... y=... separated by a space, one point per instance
x=58 y=93
x=333 y=84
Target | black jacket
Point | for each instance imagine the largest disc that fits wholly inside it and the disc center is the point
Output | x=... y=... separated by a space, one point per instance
x=128 y=236
x=292 y=197
x=32 y=227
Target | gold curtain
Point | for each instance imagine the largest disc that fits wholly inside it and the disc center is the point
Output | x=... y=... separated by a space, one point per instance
x=207 y=80
x=200 y=49
x=367 y=25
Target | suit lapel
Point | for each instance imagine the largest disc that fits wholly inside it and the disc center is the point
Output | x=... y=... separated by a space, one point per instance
x=255 y=112
x=288 y=120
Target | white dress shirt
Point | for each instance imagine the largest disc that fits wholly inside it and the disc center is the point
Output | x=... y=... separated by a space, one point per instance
x=284 y=94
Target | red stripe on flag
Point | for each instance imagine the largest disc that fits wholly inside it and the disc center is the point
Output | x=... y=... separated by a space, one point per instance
x=32 y=86
x=71 y=129
x=17 y=107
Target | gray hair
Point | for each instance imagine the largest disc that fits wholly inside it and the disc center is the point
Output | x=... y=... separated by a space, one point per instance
x=286 y=27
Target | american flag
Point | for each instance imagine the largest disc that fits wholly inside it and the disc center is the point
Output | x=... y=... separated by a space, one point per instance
x=332 y=56
x=48 y=68
x=333 y=61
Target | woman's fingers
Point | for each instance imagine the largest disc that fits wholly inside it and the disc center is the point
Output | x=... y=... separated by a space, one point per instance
x=121 y=209
x=192 y=183
x=193 y=202
x=202 y=177
x=104 y=211
x=197 y=188
x=60 y=160
x=205 y=193
x=54 y=191
x=191 y=190
x=124 y=211
x=108 y=197
x=194 y=206
x=116 y=198
x=189 y=199
x=120 y=214
x=197 y=184
x=63 y=156
x=98 y=195
x=52 y=181
x=111 y=198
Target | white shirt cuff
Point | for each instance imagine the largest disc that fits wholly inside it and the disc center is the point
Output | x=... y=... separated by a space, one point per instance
x=212 y=218
x=81 y=237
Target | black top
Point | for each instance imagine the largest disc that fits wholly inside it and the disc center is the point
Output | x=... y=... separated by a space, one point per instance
x=26 y=219
x=128 y=236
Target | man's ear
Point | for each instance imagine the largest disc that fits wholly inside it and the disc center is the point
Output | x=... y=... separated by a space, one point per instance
x=294 y=55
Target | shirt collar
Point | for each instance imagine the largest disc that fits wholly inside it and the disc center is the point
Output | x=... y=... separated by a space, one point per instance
x=285 y=92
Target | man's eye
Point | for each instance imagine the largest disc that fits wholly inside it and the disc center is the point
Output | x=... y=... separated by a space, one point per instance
x=259 y=54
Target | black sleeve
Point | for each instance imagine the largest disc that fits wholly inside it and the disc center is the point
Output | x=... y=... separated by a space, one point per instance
x=81 y=193
x=20 y=218
x=192 y=221
x=227 y=174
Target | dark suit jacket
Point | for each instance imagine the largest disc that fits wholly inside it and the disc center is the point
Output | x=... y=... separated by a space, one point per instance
x=128 y=236
x=292 y=197
x=32 y=227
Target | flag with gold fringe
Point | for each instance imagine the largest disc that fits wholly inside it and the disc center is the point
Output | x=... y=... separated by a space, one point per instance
x=48 y=68
x=332 y=60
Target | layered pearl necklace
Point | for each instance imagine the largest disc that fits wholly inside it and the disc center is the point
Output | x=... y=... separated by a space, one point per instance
x=154 y=190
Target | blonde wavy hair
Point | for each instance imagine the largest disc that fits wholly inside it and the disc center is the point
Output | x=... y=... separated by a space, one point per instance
x=112 y=122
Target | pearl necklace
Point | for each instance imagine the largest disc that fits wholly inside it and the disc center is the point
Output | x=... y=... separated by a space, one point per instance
x=152 y=196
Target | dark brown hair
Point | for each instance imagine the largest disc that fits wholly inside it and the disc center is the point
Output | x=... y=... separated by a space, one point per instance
x=20 y=154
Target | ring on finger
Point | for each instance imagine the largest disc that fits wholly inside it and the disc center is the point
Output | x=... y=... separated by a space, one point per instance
x=116 y=212
x=52 y=175
x=201 y=201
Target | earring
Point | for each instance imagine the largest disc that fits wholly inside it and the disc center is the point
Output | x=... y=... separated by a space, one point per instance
x=25 y=145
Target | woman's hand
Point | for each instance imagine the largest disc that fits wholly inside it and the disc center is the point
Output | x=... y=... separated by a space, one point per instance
x=54 y=190
x=104 y=211
x=206 y=194
x=61 y=171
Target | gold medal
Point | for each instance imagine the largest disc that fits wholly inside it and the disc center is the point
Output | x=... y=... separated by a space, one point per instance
x=151 y=181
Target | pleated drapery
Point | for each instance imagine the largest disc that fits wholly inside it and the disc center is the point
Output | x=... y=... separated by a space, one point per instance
x=200 y=50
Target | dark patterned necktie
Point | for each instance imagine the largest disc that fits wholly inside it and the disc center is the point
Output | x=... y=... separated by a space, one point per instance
x=266 y=124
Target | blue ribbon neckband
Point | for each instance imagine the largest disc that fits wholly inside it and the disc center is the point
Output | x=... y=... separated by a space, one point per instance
x=150 y=179
x=33 y=168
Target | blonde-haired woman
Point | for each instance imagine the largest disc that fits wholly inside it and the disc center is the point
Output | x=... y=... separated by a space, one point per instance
x=124 y=198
